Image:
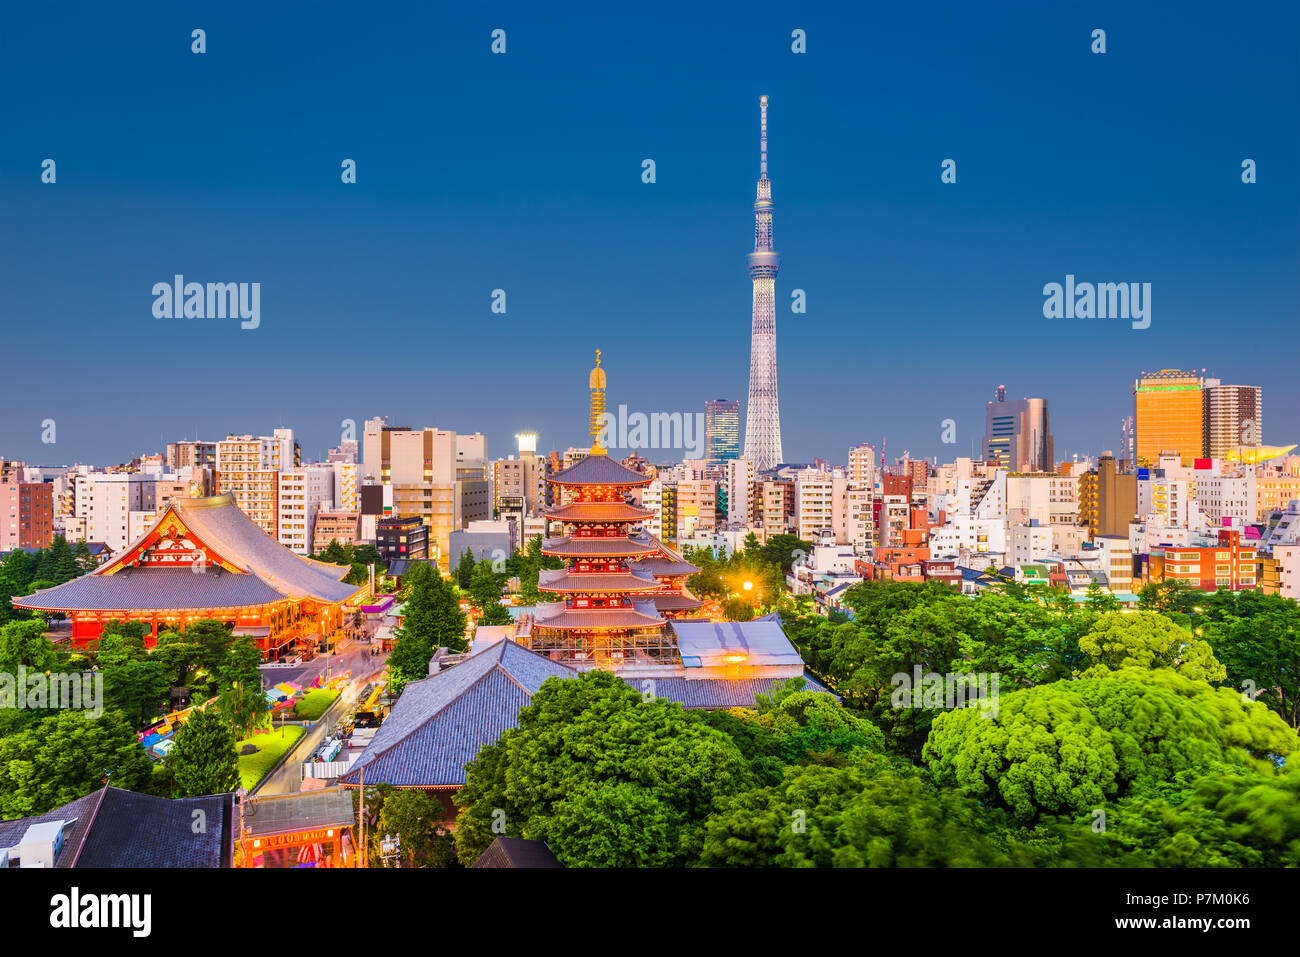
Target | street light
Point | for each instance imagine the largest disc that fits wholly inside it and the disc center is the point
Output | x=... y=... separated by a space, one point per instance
x=749 y=586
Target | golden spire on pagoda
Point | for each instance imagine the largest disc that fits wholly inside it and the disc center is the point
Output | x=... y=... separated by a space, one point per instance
x=596 y=381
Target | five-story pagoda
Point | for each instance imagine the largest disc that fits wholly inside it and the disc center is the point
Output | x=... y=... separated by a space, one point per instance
x=601 y=612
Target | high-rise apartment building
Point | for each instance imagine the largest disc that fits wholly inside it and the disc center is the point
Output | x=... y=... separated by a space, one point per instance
x=1232 y=419
x=721 y=430
x=1169 y=411
x=26 y=514
x=1017 y=434
x=301 y=494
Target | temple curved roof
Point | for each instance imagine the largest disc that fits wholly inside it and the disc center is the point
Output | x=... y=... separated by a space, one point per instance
x=223 y=525
x=154 y=589
x=598 y=470
x=264 y=571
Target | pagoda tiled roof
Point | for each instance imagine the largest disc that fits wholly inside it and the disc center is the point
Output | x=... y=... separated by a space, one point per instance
x=664 y=567
x=598 y=512
x=440 y=722
x=154 y=589
x=617 y=547
x=598 y=470
x=562 y=580
x=554 y=615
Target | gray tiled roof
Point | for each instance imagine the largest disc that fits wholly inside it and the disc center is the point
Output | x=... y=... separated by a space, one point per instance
x=237 y=538
x=516 y=852
x=117 y=828
x=440 y=722
x=664 y=566
x=710 y=693
x=304 y=810
x=163 y=589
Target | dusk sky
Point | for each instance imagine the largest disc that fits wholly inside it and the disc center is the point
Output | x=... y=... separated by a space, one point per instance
x=523 y=172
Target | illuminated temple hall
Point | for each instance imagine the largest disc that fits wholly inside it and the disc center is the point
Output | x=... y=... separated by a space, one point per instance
x=204 y=558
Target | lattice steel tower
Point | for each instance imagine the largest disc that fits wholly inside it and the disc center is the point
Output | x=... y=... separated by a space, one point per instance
x=763 y=414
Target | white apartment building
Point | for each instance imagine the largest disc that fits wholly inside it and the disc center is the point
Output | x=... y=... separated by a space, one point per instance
x=1043 y=497
x=302 y=492
x=738 y=480
x=862 y=467
x=347 y=486
x=652 y=497
x=814 y=503
x=1116 y=562
x=104 y=501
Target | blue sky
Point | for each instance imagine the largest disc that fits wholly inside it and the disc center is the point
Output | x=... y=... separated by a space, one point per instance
x=523 y=172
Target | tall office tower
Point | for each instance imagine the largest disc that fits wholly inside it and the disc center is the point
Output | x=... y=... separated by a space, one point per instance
x=1170 y=412
x=763 y=414
x=1017 y=434
x=1128 y=439
x=1233 y=418
x=721 y=430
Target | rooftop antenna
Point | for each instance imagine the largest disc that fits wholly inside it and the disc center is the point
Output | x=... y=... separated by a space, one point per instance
x=762 y=163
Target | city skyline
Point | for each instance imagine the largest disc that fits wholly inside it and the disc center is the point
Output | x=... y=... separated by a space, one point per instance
x=914 y=287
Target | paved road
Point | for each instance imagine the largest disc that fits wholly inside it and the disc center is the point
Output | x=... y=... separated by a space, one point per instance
x=352 y=655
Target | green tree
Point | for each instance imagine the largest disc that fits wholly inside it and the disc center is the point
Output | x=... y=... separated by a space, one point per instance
x=431 y=619
x=484 y=585
x=134 y=684
x=65 y=757
x=465 y=569
x=1258 y=642
x=871 y=813
x=561 y=767
x=418 y=820
x=24 y=643
x=1072 y=746
x=203 y=760
x=1145 y=639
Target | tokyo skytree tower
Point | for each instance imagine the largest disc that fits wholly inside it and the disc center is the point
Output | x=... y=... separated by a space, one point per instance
x=763 y=414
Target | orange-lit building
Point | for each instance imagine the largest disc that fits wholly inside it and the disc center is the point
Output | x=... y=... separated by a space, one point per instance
x=204 y=558
x=1228 y=564
x=1170 y=410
